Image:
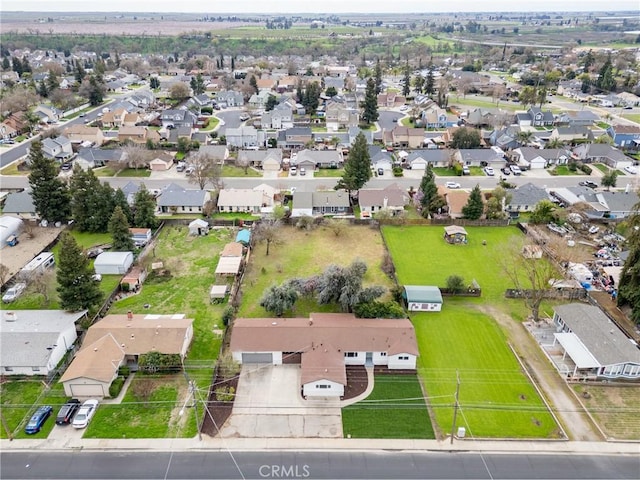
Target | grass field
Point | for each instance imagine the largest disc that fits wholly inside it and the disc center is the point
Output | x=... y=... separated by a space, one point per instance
x=329 y=172
x=395 y=409
x=302 y=253
x=19 y=399
x=498 y=400
x=634 y=117
x=136 y=418
x=615 y=408
x=231 y=171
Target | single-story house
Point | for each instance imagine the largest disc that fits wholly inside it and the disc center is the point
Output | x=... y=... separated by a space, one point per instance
x=119 y=340
x=422 y=298
x=538 y=158
x=302 y=204
x=456 y=200
x=20 y=204
x=419 y=159
x=177 y=199
x=198 y=227
x=83 y=133
x=326 y=344
x=480 y=157
x=525 y=198
x=161 y=162
x=243 y=200
x=113 y=263
x=595 y=345
x=330 y=202
x=269 y=159
x=602 y=153
x=611 y=205
x=372 y=200
x=32 y=342
x=319 y=159
x=95 y=157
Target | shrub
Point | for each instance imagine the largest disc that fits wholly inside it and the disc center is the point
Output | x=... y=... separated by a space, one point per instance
x=387 y=266
x=586 y=169
x=208 y=110
x=455 y=283
x=572 y=166
x=227 y=315
x=379 y=310
x=156 y=362
x=225 y=394
x=457 y=168
x=397 y=172
x=116 y=387
x=124 y=370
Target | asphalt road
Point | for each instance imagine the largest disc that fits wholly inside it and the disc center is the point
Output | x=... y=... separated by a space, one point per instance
x=231 y=119
x=321 y=465
x=388 y=119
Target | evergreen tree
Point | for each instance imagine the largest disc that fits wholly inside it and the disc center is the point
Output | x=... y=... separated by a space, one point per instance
x=52 y=82
x=50 y=194
x=429 y=85
x=197 y=84
x=82 y=187
x=254 y=83
x=357 y=168
x=606 y=82
x=429 y=190
x=378 y=75
x=629 y=285
x=76 y=287
x=466 y=137
x=96 y=91
x=154 y=83
x=42 y=89
x=6 y=64
x=271 y=103
x=406 y=81
x=474 y=207
x=16 y=66
x=418 y=83
x=144 y=208
x=120 y=200
x=121 y=240
x=79 y=72
x=370 y=112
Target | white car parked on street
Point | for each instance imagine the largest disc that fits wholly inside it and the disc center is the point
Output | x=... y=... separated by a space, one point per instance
x=452 y=185
x=630 y=169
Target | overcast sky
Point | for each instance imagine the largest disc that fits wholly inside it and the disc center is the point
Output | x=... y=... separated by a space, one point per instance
x=326 y=6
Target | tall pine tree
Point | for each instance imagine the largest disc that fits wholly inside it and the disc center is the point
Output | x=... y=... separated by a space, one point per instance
x=50 y=194
x=429 y=191
x=121 y=240
x=475 y=207
x=357 y=168
x=629 y=285
x=76 y=287
x=144 y=209
x=370 y=112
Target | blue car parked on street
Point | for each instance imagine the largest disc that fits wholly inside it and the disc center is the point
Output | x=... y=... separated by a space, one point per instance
x=38 y=419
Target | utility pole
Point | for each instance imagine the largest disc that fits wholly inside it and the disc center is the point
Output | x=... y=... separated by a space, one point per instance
x=455 y=406
x=192 y=389
x=6 y=427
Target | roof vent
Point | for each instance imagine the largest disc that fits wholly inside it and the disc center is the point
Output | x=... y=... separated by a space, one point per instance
x=274 y=323
x=95 y=349
x=133 y=336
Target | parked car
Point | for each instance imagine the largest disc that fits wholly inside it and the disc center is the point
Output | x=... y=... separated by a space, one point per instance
x=244 y=117
x=505 y=171
x=380 y=172
x=85 y=414
x=189 y=170
x=631 y=169
x=67 y=411
x=293 y=171
x=303 y=171
x=489 y=171
x=515 y=169
x=588 y=183
x=66 y=166
x=14 y=292
x=181 y=167
x=37 y=419
x=465 y=170
x=452 y=185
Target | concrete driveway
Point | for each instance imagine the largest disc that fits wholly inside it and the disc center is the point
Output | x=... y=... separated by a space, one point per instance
x=268 y=404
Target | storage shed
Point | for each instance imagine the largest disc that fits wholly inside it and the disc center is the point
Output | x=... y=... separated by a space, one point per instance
x=455 y=234
x=198 y=227
x=422 y=298
x=113 y=263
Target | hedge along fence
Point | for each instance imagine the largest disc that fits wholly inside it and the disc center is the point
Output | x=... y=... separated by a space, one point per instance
x=554 y=293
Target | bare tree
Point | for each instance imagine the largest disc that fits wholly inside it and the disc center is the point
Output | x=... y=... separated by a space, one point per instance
x=4 y=273
x=269 y=233
x=43 y=284
x=20 y=98
x=464 y=86
x=338 y=227
x=179 y=91
x=535 y=277
x=497 y=92
x=206 y=170
x=137 y=156
x=243 y=162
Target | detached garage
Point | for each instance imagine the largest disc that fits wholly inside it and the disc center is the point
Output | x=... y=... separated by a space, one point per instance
x=421 y=298
x=113 y=263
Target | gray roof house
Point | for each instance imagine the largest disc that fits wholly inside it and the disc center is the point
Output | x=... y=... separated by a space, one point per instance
x=20 y=204
x=372 y=200
x=331 y=202
x=525 y=198
x=257 y=158
x=419 y=159
x=243 y=200
x=230 y=98
x=176 y=199
x=578 y=118
x=302 y=204
x=245 y=136
x=178 y=118
x=96 y=157
x=611 y=205
x=594 y=344
x=536 y=158
x=32 y=342
x=130 y=190
x=320 y=158
x=602 y=153
x=535 y=117
x=58 y=148
x=479 y=156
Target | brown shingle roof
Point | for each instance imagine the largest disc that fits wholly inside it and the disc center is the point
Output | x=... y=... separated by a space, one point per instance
x=142 y=333
x=99 y=361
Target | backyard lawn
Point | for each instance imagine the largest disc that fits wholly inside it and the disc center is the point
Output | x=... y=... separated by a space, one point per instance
x=395 y=409
x=499 y=400
x=302 y=253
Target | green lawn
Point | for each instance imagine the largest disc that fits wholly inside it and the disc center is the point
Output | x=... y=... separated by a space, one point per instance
x=234 y=216
x=395 y=409
x=634 y=117
x=136 y=418
x=450 y=172
x=300 y=253
x=20 y=399
x=602 y=167
x=499 y=401
x=213 y=121
x=135 y=172
x=563 y=170
x=232 y=171
x=12 y=169
x=329 y=172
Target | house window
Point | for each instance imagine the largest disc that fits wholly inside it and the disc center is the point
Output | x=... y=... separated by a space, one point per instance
x=323 y=386
x=35 y=369
x=351 y=354
x=8 y=369
x=403 y=357
x=383 y=354
x=190 y=209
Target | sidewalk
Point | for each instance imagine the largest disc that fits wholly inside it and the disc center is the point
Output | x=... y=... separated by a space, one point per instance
x=320 y=444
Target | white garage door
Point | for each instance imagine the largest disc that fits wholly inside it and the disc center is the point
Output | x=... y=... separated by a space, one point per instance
x=257 y=358
x=86 y=390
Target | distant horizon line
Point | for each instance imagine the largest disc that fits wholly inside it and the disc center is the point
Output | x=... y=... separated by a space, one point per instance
x=323 y=13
